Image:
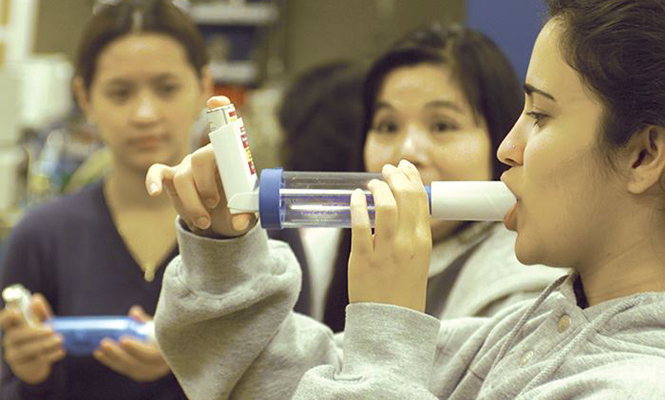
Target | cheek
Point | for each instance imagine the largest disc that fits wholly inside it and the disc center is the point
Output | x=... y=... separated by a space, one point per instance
x=111 y=125
x=377 y=153
x=183 y=111
x=561 y=198
x=463 y=158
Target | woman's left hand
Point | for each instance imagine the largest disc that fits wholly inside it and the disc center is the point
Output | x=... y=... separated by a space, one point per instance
x=391 y=266
x=138 y=360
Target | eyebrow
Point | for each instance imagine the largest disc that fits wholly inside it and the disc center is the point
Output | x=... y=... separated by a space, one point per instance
x=432 y=104
x=164 y=77
x=124 y=82
x=530 y=90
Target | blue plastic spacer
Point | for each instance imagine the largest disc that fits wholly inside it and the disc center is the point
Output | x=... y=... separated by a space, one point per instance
x=269 y=201
x=428 y=189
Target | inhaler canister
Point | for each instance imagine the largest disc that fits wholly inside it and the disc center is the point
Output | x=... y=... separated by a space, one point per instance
x=17 y=296
x=234 y=159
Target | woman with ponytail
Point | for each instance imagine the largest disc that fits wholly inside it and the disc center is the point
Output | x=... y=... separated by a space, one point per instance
x=142 y=79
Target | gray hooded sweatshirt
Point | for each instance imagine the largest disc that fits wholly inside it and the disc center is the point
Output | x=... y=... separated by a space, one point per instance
x=225 y=325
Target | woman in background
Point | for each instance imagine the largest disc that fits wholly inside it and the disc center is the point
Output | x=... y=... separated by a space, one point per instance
x=142 y=79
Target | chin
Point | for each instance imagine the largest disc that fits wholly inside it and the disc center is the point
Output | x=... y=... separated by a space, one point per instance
x=155 y=157
x=526 y=252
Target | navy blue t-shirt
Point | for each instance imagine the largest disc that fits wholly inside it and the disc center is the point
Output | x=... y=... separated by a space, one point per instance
x=70 y=251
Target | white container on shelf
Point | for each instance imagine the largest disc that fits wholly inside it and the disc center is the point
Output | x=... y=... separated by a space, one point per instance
x=45 y=90
x=11 y=159
x=9 y=107
x=234 y=13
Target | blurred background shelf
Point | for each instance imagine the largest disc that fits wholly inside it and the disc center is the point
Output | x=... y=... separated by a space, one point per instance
x=234 y=72
x=256 y=13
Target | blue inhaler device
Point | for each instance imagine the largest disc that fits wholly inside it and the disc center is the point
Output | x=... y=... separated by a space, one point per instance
x=286 y=199
x=82 y=334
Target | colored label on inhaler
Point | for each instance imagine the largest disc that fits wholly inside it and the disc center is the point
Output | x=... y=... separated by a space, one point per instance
x=229 y=115
x=245 y=145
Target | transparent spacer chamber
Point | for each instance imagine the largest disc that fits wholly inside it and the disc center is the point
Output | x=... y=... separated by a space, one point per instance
x=320 y=199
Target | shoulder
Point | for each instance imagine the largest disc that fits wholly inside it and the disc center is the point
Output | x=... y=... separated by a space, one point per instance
x=628 y=378
x=639 y=377
x=61 y=213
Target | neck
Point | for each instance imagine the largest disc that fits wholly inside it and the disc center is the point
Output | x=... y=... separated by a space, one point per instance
x=125 y=188
x=634 y=268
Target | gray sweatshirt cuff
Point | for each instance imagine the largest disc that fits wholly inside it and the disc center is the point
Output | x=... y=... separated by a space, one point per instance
x=234 y=261
x=391 y=338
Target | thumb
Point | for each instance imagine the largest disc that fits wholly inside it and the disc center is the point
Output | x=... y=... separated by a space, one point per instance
x=40 y=308
x=139 y=314
x=217 y=101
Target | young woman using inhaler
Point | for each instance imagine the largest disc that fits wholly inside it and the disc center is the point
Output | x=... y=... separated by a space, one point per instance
x=587 y=161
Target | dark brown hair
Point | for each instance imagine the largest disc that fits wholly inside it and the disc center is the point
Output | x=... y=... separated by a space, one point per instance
x=482 y=71
x=137 y=16
x=322 y=114
x=618 y=48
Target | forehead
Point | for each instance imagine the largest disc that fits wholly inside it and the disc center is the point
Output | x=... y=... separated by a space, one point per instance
x=137 y=55
x=421 y=83
x=549 y=71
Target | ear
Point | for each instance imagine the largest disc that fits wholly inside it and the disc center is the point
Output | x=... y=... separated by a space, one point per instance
x=81 y=94
x=646 y=159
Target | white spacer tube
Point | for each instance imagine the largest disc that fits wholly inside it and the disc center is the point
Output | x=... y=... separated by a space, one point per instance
x=471 y=200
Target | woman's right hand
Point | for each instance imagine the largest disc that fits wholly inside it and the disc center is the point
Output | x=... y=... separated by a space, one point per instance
x=30 y=351
x=391 y=266
x=196 y=192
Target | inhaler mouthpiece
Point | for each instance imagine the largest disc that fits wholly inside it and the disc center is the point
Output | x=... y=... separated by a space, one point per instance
x=470 y=200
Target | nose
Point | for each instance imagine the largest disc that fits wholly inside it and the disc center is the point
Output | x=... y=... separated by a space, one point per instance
x=414 y=145
x=146 y=110
x=511 y=149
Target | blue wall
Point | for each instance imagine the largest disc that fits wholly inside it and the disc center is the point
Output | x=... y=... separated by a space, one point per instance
x=513 y=24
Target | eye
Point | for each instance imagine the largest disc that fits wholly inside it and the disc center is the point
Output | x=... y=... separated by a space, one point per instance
x=167 y=90
x=386 y=127
x=118 y=95
x=539 y=118
x=443 y=126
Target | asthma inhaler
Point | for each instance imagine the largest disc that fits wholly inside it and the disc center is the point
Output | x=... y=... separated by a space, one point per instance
x=234 y=159
x=82 y=335
x=321 y=199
